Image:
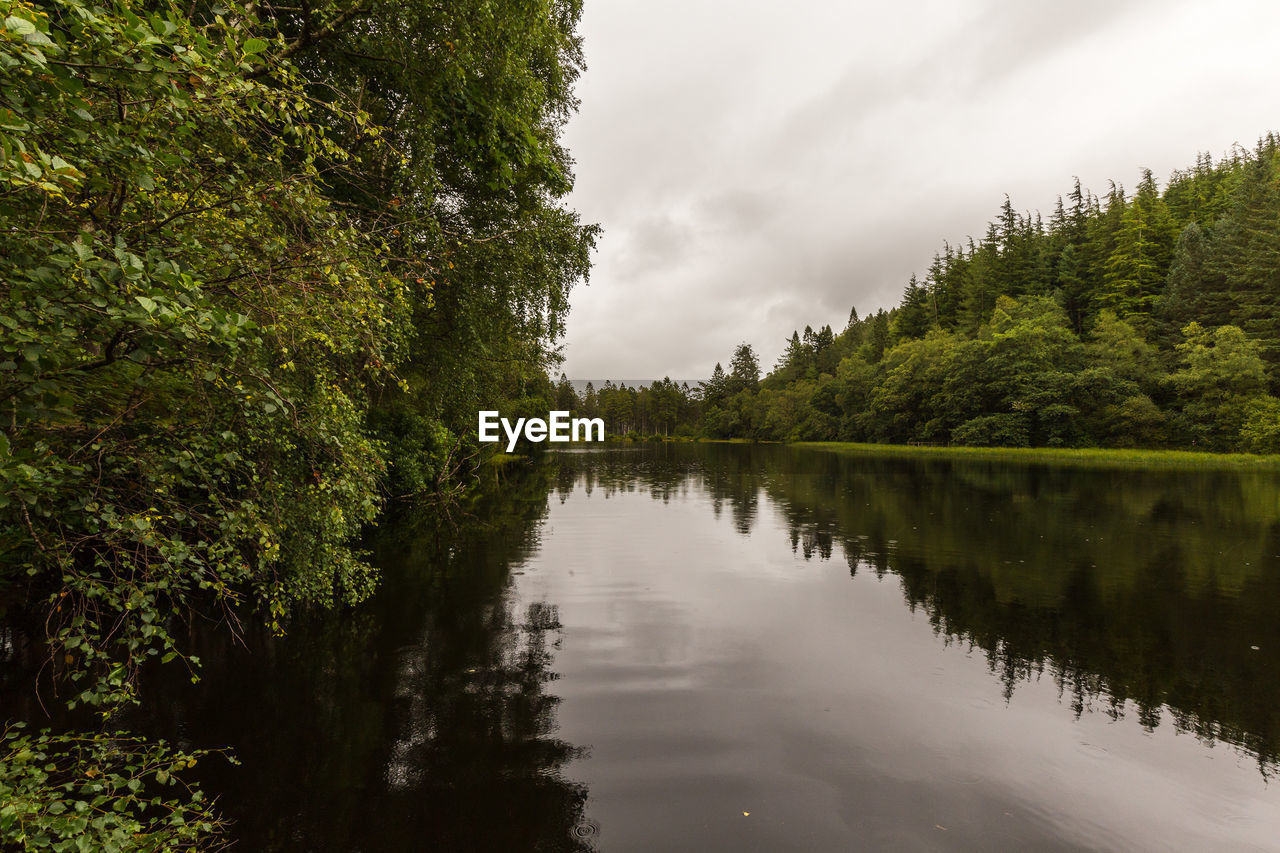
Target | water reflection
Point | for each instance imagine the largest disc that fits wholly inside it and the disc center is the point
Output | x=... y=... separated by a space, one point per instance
x=720 y=647
x=424 y=721
x=1157 y=588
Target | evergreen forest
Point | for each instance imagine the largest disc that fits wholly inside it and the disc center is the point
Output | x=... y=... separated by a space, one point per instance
x=1143 y=319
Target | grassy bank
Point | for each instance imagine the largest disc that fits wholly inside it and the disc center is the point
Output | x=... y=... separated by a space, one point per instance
x=1082 y=457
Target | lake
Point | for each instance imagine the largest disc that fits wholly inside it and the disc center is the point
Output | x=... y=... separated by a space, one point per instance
x=735 y=647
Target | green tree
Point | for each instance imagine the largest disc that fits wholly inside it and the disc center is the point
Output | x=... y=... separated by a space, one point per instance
x=1260 y=432
x=471 y=97
x=902 y=405
x=1024 y=366
x=1221 y=371
x=1245 y=262
x=566 y=397
x=744 y=370
x=714 y=389
x=915 y=314
x=250 y=254
x=1137 y=265
x=793 y=363
x=192 y=332
x=1192 y=290
x=876 y=337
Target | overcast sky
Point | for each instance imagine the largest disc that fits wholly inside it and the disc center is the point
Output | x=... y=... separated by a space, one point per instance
x=760 y=166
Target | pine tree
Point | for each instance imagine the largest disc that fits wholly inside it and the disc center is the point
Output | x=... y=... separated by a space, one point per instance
x=979 y=288
x=793 y=361
x=915 y=315
x=744 y=370
x=714 y=390
x=1246 y=256
x=1100 y=243
x=566 y=397
x=1193 y=292
x=1136 y=268
x=824 y=357
x=877 y=338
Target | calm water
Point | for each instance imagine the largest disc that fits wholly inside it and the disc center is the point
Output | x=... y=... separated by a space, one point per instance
x=759 y=648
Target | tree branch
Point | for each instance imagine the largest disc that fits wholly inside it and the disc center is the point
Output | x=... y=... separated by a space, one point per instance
x=310 y=37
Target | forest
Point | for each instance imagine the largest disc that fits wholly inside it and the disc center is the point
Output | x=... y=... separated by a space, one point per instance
x=261 y=264
x=1147 y=319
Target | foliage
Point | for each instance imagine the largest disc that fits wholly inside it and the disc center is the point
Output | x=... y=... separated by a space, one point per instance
x=468 y=99
x=190 y=331
x=1221 y=370
x=1148 y=320
x=1261 y=430
x=251 y=255
x=102 y=793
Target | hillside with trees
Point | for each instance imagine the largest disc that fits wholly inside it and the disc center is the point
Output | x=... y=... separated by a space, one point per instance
x=1143 y=319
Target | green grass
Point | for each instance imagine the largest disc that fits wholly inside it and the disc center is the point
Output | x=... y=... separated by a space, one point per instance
x=1081 y=457
x=501 y=459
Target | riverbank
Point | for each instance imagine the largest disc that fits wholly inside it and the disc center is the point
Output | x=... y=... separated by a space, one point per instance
x=1079 y=457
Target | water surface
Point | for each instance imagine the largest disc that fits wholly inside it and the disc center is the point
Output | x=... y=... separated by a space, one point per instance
x=692 y=647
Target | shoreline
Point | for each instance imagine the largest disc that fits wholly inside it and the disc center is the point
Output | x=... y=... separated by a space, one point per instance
x=1090 y=457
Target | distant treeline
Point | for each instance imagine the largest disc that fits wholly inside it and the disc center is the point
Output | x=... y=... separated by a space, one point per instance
x=1149 y=319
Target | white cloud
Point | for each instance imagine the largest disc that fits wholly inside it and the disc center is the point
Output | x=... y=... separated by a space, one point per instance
x=761 y=166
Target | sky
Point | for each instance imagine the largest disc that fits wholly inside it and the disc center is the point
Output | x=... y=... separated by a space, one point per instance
x=762 y=166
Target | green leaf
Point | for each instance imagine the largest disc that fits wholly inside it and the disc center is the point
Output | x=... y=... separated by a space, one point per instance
x=21 y=26
x=255 y=45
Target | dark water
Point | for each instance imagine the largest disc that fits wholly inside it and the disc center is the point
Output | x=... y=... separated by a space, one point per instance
x=759 y=648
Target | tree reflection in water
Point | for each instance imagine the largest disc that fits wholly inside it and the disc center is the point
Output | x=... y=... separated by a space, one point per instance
x=422 y=721
x=1155 y=588
x=427 y=719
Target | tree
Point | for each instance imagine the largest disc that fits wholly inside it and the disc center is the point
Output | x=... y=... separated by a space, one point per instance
x=902 y=404
x=744 y=370
x=980 y=289
x=1260 y=432
x=195 y=330
x=471 y=95
x=915 y=315
x=1136 y=266
x=1245 y=261
x=794 y=361
x=825 y=354
x=715 y=389
x=1116 y=344
x=876 y=337
x=251 y=254
x=1024 y=366
x=1192 y=291
x=1222 y=370
x=566 y=397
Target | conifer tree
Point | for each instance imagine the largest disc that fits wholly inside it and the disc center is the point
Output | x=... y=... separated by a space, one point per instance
x=914 y=315
x=1136 y=267
x=744 y=369
x=1246 y=256
x=979 y=290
